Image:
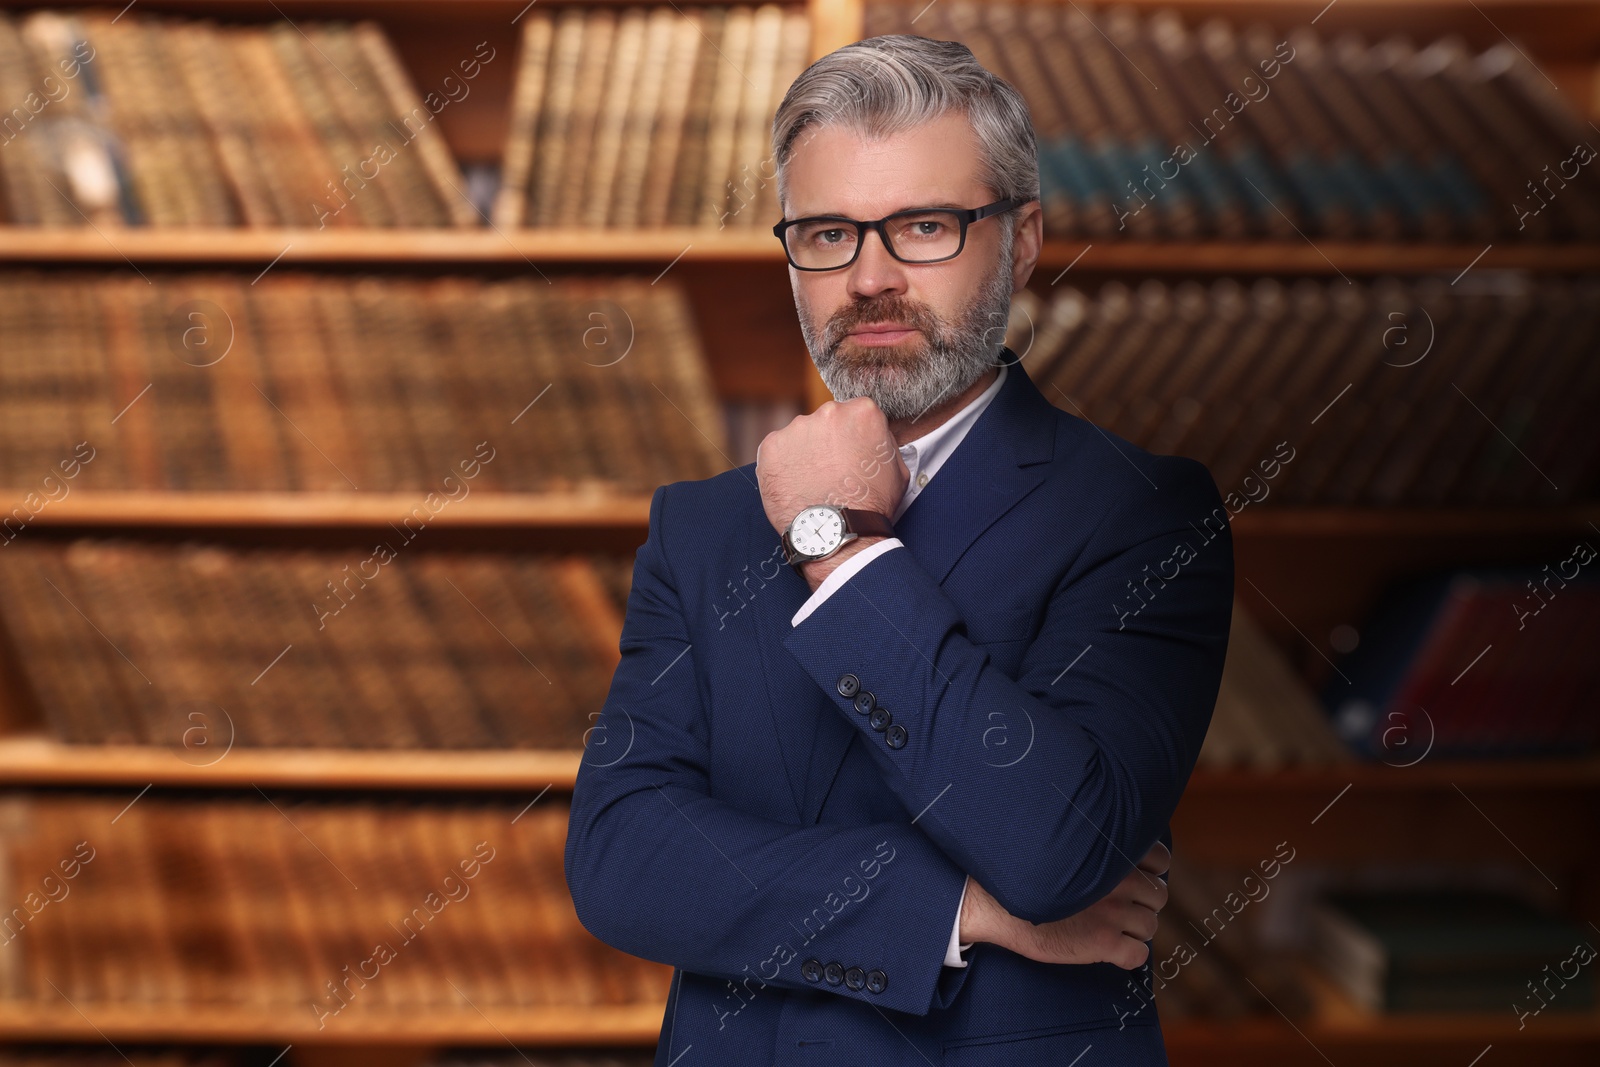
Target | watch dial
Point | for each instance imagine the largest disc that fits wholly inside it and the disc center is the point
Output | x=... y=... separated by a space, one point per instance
x=817 y=530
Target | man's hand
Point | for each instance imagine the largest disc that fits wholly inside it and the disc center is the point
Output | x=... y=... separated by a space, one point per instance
x=1111 y=930
x=842 y=454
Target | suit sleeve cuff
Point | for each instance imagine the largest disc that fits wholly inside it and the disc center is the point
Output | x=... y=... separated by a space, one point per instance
x=840 y=575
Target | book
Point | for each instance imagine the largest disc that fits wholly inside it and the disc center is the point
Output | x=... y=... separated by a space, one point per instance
x=1442 y=950
x=1461 y=663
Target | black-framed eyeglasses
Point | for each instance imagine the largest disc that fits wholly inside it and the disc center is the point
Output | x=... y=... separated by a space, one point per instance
x=916 y=235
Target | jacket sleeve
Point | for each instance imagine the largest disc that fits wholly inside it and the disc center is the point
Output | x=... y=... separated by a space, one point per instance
x=1047 y=789
x=660 y=869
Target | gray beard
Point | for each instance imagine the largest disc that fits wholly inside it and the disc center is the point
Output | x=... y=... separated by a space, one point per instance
x=952 y=356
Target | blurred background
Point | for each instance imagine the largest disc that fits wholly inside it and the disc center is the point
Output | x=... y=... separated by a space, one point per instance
x=343 y=343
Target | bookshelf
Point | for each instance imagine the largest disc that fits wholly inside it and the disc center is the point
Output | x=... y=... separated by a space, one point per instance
x=739 y=292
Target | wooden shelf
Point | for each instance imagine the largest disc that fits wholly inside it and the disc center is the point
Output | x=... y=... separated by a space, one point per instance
x=1347 y=1033
x=432 y=247
x=632 y=1024
x=657 y=248
x=1439 y=810
x=33 y=759
x=482 y=509
x=1410 y=523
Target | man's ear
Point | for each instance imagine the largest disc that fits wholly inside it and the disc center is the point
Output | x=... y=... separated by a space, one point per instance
x=1028 y=243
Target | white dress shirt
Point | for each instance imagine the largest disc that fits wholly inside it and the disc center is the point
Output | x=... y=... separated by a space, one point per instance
x=923 y=457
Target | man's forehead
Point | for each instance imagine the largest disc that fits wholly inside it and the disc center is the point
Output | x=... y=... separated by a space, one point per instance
x=840 y=170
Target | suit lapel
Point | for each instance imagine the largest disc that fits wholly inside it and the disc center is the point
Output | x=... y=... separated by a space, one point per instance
x=1002 y=459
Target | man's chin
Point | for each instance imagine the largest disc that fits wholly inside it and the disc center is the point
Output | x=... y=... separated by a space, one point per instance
x=909 y=351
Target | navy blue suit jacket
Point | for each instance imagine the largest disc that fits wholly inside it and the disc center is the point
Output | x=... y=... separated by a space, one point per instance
x=1051 y=638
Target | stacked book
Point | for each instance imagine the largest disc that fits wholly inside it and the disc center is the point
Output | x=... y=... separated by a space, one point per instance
x=1152 y=129
x=1213 y=943
x=201 y=647
x=133 y=119
x=1480 y=662
x=1267 y=716
x=316 y=912
x=646 y=117
x=1452 y=950
x=347 y=383
x=1307 y=392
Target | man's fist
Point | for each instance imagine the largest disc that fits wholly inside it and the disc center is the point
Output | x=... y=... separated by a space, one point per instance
x=1113 y=929
x=842 y=454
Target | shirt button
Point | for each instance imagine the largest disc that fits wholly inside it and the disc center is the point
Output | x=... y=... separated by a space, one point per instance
x=895 y=736
x=922 y=480
x=847 y=685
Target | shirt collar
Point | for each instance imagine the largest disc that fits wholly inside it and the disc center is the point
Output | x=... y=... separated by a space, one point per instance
x=926 y=454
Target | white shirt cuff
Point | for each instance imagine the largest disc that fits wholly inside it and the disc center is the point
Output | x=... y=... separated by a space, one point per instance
x=841 y=574
x=952 y=954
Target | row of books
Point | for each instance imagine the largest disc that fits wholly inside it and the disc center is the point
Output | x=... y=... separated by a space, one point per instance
x=1474 y=392
x=1150 y=128
x=131 y=119
x=139 y=643
x=336 y=911
x=649 y=116
x=1453 y=950
x=1477 y=662
x=1267 y=716
x=301 y=381
x=200 y=648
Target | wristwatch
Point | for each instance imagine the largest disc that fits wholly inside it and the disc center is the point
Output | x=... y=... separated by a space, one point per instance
x=820 y=530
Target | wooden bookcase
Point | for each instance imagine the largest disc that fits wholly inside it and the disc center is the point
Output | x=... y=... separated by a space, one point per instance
x=1318 y=566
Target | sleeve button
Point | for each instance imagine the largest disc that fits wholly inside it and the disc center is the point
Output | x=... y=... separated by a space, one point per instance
x=848 y=685
x=877 y=981
x=865 y=702
x=811 y=970
x=855 y=978
x=880 y=719
x=834 y=972
x=895 y=737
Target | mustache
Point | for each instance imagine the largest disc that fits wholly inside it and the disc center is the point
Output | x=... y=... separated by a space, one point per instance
x=892 y=308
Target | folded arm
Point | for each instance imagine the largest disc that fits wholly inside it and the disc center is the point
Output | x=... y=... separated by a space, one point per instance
x=1048 y=788
x=660 y=869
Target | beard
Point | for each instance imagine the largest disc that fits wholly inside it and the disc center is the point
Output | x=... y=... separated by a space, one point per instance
x=908 y=379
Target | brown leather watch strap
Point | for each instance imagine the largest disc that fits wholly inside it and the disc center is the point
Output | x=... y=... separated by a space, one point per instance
x=868 y=523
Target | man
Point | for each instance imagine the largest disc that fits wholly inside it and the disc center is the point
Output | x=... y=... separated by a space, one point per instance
x=902 y=797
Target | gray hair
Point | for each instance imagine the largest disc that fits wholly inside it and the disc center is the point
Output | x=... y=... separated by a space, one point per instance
x=885 y=85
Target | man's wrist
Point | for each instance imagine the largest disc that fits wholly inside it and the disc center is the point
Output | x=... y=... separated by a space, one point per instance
x=982 y=917
x=817 y=571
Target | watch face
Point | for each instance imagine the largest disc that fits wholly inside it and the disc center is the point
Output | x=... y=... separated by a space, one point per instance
x=817 y=530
